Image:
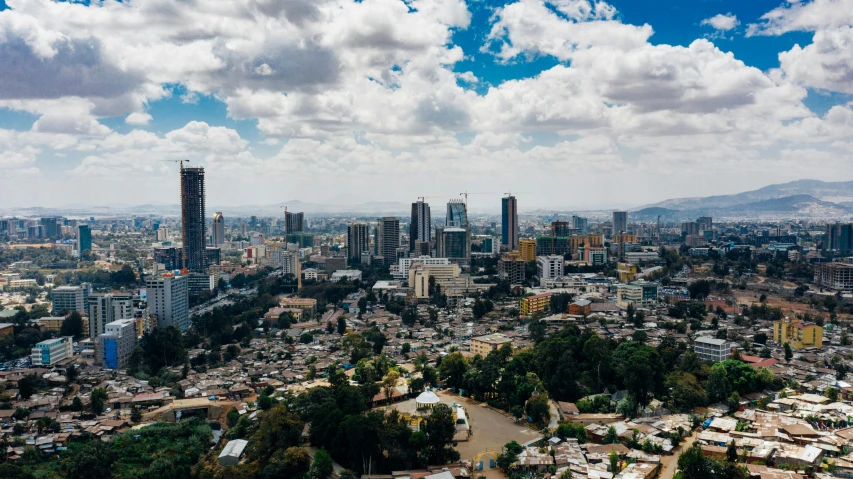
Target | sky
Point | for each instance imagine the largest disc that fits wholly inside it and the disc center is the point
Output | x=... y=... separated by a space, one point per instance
x=568 y=104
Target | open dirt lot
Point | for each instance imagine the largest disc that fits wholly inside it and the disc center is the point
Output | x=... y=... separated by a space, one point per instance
x=491 y=430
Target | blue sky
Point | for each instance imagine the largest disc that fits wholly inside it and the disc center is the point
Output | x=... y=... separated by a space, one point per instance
x=381 y=99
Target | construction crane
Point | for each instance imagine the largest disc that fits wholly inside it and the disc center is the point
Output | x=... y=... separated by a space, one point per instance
x=181 y=162
x=517 y=193
x=465 y=194
x=285 y=209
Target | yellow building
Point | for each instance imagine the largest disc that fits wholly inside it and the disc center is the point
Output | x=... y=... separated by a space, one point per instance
x=587 y=240
x=308 y=305
x=419 y=275
x=627 y=272
x=483 y=345
x=535 y=304
x=416 y=411
x=527 y=248
x=797 y=334
x=624 y=238
x=54 y=323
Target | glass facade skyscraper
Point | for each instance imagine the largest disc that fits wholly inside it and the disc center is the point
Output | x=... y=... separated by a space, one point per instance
x=193 y=219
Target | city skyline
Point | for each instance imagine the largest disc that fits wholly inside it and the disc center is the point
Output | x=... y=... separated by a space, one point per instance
x=441 y=96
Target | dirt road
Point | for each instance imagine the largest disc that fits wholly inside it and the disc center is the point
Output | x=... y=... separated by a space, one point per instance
x=670 y=463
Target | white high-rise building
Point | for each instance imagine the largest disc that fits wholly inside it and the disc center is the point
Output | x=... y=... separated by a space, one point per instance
x=168 y=299
x=549 y=267
x=104 y=308
x=115 y=346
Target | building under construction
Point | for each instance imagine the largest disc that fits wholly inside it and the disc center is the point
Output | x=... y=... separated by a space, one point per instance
x=193 y=219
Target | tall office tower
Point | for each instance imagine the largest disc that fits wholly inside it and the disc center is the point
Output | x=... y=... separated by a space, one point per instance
x=620 y=222
x=560 y=228
x=580 y=223
x=509 y=222
x=388 y=239
x=84 y=239
x=104 y=308
x=218 y=229
x=839 y=237
x=51 y=227
x=294 y=222
x=253 y=222
x=454 y=244
x=457 y=214
x=705 y=223
x=358 y=240
x=420 y=228
x=193 y=218
x=168 y=299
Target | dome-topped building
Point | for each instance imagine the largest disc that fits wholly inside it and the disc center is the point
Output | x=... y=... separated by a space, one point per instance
x=426 y=399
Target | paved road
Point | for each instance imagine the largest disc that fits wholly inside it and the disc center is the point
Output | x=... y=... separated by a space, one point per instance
x=670 y=463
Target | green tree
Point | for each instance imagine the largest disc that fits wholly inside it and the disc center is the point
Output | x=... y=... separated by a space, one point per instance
x=265 y=402
x=27 y=385
x=135 y=415
x=322 y=467
x=452 y=369
x=72 y=325
x=509 y=455
x=831 y=393
x=613 y=457
x=342 y=326
x=686 y=392
x=718 y=383
x=731 y=452
x=788 y=352
x=611 y=437
x=97 y=399
x=440 y=428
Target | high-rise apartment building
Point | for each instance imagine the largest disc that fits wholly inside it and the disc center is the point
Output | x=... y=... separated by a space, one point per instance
x=115 y=346
x=509 y=222
x=218 y=229
x=193 y=219
x=420 y=228
x=457 y=214
x=105 y=308
x=294 y=222
x=388 y=239
x=527 y=248
x=358 y=240
x=84 y=239
x=69 y=299
x=549 y=267
x=511 y=268
x=620 y=222
x=706 y=223
x=168 y=299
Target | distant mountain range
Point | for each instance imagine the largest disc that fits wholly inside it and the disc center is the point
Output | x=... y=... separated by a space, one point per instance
x=813 y=199
x=802 y=199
